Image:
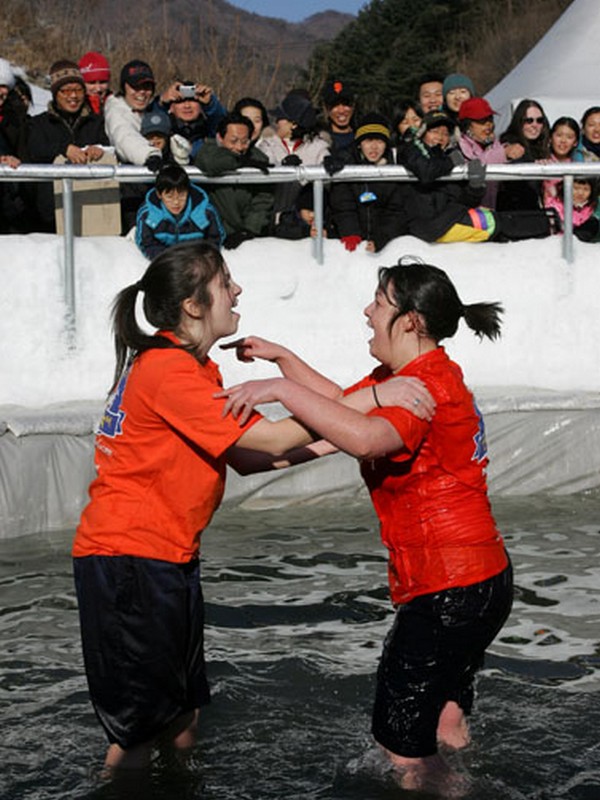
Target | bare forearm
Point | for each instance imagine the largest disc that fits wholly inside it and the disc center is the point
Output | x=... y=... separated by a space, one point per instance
x=346 y=428
x=250 y=348
x=297 y=370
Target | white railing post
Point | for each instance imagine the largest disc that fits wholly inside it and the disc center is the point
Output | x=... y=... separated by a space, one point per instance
x=318 y=208
x=69 y=260
x=568 y=222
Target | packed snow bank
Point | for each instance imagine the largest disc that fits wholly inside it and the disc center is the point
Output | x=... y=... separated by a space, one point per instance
x=538 y=387
x=549 y=341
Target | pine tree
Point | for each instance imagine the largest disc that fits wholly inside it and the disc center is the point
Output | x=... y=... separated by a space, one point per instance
x=389 y=46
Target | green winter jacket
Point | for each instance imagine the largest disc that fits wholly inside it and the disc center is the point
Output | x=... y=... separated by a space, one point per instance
x=242 y=207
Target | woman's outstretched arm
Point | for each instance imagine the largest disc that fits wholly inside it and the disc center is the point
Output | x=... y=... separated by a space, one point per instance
x=350 y=430
x=290 y=365
x=407 y=392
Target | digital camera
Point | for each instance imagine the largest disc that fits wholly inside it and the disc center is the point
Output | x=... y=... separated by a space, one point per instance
x=187 y=90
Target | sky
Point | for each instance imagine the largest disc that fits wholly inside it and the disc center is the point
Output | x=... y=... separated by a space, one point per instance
x=296 y=12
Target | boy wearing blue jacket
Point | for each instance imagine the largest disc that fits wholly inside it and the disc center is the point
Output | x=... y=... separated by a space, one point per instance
x=176 y=211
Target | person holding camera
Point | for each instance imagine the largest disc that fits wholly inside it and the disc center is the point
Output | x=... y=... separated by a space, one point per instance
x=195 y=112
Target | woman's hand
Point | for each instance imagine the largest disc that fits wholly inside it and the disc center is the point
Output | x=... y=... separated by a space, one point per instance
x=243 y=397
x=76 y=155
x=409 y=393
x=514 y=151
x=94 y=152
x=251 y=347
x=10 y=161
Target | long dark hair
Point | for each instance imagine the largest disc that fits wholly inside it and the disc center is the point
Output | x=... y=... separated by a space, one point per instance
x=411 y=285
x=182 y=271
x=538 y=148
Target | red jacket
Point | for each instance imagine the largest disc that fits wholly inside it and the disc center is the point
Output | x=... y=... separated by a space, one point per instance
x=431 y=497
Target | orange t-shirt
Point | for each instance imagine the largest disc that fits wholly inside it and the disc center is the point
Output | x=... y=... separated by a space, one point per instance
x=431 y=497
x=160 y=457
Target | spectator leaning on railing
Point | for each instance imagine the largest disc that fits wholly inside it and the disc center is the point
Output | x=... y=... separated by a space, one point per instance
x=68 y=128
x=246 y=210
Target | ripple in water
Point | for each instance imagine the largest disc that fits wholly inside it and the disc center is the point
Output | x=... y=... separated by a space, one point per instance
x=297 y=609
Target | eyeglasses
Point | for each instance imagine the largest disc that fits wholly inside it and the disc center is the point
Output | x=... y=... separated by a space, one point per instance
x=78 y=92
x=530 y=120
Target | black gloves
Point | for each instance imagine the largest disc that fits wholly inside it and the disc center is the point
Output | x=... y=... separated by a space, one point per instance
x=154 y=163
x=333 y=164
x=291 y=161
x=476 y=173
x=456 y=157
x=235 y=239
x=248 y=161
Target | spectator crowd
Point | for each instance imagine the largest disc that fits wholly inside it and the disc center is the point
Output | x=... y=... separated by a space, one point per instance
x=446 y=124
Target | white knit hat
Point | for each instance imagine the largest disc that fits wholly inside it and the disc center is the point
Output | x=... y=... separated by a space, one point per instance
x=7 y=76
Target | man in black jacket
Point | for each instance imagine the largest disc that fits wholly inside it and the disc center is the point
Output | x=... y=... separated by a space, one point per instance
x=68 y=128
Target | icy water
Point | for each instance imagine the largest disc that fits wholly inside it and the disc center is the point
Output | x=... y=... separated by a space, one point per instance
x=297 y=609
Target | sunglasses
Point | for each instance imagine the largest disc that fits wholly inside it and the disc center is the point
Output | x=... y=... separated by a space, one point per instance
x=530 y=120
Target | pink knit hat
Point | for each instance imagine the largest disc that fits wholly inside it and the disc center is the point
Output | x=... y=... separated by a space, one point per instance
x=94 y=67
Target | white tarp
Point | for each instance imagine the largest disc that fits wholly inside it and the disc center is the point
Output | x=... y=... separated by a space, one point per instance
x=560 y=72
x=539 y=441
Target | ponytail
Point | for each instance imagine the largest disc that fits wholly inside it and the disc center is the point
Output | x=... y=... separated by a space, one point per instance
x=484 y=319
x=179 y=272
x=412 y=285
x=129 y=338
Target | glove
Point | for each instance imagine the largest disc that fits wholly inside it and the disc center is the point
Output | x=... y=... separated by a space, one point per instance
x=247 y=161
x=291 y=161
x=456 y=157
x=476 y=173
x=181 y=149
x=153 y=163
x=235 y=239
x=333 y=164
x=351 y=242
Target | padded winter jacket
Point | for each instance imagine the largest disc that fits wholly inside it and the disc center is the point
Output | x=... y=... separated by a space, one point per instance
x=244 y=207
x=157 y=228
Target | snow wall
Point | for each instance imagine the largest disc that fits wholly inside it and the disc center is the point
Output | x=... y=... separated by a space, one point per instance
x=538 y=387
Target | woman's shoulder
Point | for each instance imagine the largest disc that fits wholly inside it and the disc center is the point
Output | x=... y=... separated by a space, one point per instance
x=168 y=368
x=442 y=376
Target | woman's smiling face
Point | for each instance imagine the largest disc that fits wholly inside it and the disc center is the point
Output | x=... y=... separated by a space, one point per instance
x=533 y=123
x=220 y=319
x=380 y=313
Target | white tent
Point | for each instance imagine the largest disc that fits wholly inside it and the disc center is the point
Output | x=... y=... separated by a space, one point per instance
x=560 y=72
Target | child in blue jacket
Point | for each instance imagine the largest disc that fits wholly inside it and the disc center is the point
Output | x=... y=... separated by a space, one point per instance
x=176 y=211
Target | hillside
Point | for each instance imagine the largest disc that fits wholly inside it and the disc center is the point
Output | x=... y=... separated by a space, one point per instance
x=210 y=40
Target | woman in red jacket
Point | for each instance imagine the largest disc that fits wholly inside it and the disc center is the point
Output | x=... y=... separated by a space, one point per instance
x=449 y=574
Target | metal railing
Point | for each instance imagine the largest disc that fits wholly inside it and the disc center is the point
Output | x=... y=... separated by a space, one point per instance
x=67 y=173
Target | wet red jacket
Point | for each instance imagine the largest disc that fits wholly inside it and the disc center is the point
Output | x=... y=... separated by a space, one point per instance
x=431 y=497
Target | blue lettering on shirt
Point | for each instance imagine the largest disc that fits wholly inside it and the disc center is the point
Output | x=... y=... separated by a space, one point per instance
x=111 y=423
x=480 y=441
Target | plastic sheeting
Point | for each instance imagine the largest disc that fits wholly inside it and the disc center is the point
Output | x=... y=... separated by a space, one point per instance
x=539 y=441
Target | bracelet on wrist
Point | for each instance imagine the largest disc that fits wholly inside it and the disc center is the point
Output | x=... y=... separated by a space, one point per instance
x=377 y=403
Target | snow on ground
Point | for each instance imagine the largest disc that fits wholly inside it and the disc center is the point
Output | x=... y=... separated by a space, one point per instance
x=550 y=335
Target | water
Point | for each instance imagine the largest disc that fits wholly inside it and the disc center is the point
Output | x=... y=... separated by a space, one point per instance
x=297 y=609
